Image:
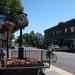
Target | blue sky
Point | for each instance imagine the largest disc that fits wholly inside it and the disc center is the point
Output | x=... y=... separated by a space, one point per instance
x=44 y=14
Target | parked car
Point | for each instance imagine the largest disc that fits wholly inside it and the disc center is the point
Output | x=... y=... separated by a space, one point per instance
x=45 y=46
x=64 y=48
x=54 y=46
x=12 y=46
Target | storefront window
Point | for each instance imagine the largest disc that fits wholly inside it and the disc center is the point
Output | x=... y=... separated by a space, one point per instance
x=65 y=29
x=53 y=33
x=72 y=29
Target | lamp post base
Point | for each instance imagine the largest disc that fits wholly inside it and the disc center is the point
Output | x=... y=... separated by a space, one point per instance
x=20 y=52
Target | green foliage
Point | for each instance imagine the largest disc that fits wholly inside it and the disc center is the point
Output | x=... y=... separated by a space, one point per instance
x=12 y=36
x=15 y=8
x=32 y=36
x=29 y=38
x=17 y=39
x=14 y=5
x=26 y=37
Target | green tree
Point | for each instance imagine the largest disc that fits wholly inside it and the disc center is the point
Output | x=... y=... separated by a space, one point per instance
x=17 y=39
x=32 y=37
x=15 y=7
x=12 y=36
x=27 y=38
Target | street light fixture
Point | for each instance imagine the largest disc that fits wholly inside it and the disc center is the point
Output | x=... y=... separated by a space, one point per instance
x=22 y=20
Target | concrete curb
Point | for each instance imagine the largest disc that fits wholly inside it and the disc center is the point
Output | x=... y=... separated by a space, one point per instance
x=57 y=70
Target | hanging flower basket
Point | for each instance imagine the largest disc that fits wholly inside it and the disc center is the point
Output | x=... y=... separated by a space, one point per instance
x=8 y=25
x=21 y=19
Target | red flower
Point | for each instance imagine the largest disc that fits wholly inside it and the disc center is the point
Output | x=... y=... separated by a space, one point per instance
x=8 y=25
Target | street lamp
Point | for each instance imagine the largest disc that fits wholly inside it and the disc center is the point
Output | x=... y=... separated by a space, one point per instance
x=2 y=19
x=22 y=20
x=8 y=27
x=7 y=47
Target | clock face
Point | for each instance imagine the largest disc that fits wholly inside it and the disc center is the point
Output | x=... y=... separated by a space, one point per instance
x=21 y=19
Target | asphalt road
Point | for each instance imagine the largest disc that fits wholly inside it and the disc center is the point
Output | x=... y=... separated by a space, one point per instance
x=65 y=61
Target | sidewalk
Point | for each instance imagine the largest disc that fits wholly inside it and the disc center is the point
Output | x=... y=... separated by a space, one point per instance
x=56 y=71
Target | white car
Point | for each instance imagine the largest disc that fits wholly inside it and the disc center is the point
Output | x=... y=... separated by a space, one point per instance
x=54 y=46
x=64 y=48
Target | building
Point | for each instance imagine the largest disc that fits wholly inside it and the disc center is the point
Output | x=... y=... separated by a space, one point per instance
x=40 y=38
x=62 y=34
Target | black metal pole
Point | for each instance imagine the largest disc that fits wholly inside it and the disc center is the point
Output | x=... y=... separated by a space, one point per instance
x=49 y=59
x=41 y=55
x=20 y=49
x=7 y=45
x=2 y=43
x=8 y=12
x=20 y=37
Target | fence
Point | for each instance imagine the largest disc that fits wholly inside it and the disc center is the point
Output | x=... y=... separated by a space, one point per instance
x=40 y=55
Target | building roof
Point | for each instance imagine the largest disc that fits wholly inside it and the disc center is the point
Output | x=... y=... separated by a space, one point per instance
x=62 y=24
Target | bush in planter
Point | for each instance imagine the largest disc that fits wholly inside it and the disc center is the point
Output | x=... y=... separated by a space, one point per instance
x=32 y=61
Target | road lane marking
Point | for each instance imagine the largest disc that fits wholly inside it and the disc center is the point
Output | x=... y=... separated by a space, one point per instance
x=58 y=70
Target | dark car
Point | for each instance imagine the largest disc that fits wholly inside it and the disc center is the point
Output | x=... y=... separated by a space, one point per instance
x=45 y=46
x=64 y=48
x=13 y=47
